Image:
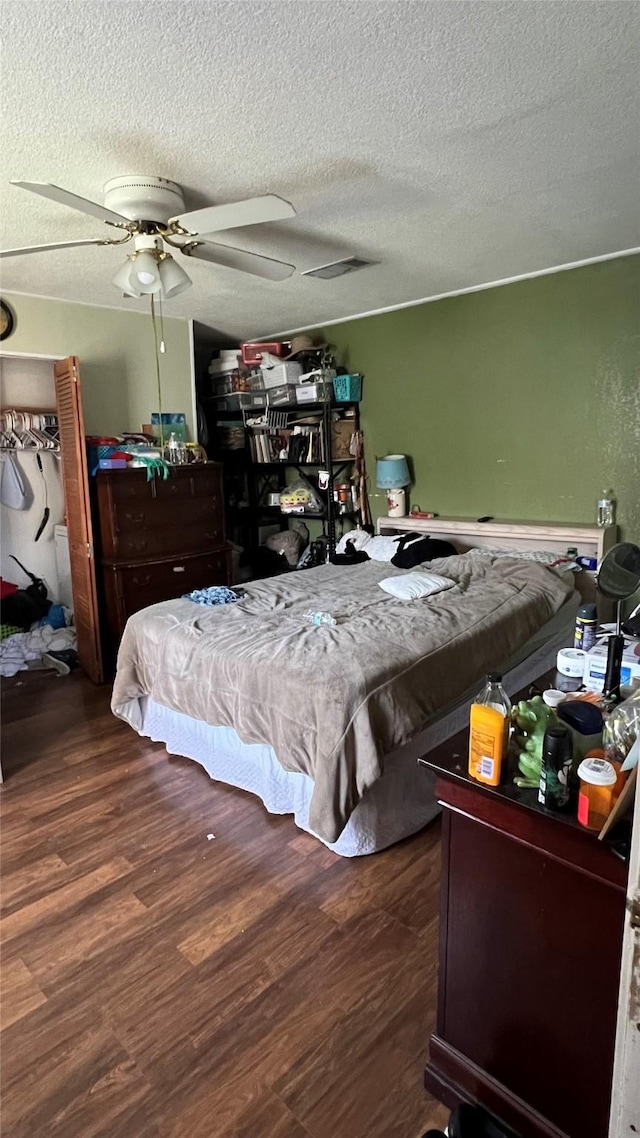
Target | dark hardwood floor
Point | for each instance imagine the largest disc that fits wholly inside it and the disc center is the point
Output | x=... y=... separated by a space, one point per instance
x=159 y=983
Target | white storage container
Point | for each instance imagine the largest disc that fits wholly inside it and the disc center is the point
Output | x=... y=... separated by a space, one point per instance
x=228 y=361
x=280 y=374
x=320 y=392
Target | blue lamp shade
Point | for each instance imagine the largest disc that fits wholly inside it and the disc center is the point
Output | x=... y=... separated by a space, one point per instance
x=392 y=472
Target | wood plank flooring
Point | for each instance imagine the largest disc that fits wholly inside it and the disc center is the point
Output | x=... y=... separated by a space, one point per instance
x=158 y=984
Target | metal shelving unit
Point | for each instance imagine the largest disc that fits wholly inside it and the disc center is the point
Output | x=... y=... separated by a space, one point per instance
x=259 y=478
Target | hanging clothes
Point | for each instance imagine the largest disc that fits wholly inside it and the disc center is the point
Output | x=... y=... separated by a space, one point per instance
x=13 y=488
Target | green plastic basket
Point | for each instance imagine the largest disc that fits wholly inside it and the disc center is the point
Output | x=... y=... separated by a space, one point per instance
x=347 y=388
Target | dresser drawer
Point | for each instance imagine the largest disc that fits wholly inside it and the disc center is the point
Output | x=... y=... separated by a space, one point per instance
x=133 y=587
x=144 y=585
x=141 y=544
x=155 y=514
x=186 y=509
x=183 y=482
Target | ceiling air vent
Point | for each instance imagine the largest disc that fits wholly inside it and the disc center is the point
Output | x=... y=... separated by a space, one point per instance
x=337 y=268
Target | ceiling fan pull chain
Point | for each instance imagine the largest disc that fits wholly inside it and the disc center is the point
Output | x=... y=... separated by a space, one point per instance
x=155 y=344
x=163 y=346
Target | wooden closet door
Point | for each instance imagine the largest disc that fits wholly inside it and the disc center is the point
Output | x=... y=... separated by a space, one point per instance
x=75 y=479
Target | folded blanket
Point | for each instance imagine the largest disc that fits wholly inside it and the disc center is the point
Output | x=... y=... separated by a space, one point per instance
x=411 y=586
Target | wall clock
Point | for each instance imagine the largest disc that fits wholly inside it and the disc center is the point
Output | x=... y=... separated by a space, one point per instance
x=7 y=320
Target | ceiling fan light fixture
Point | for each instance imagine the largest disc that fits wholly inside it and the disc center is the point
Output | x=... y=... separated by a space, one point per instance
x=146 y=272
x=123 y=280
x=173 y=278
x=150 y=210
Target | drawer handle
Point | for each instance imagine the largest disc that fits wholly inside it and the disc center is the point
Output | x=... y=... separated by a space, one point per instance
x=179 y=568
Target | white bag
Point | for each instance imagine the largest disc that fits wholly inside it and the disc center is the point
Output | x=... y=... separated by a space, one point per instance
x=13 y=490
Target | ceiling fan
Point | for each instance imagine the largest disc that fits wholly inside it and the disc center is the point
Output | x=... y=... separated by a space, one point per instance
x=151 y=212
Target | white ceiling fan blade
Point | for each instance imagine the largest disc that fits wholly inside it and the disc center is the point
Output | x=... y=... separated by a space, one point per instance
x=53 y=245
x=236 y=214
x=252 y=263
x=65 y=197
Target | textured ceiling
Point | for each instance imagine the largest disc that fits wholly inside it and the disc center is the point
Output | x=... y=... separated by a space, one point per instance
x=455 y=143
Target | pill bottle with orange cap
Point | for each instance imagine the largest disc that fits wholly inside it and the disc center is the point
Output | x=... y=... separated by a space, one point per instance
x=596 y=792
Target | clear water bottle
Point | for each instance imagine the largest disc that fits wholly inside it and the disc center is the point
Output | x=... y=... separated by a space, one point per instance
x=606 y=509
x=319 y=617
x=175 y=451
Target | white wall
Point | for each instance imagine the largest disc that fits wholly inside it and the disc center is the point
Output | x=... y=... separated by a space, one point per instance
x=29 y=384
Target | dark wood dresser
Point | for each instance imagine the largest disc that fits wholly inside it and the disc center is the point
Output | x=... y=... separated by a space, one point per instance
x=158 y=539
x=531 y=925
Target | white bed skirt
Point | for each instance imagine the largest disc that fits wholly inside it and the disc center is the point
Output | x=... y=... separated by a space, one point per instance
x=400 y=803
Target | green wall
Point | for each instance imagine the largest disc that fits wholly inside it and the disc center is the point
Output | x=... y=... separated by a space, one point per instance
x=117 y=360
x=521 y=401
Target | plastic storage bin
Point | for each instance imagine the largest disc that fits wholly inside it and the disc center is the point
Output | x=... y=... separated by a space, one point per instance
x=348 y=388
x=230 y=383
x=239 y=399
x=320 y=392
x=253 y=352
x=286 y=393
x=281 y=374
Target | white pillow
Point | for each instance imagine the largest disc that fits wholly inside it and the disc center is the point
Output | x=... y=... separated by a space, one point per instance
x=411 y=586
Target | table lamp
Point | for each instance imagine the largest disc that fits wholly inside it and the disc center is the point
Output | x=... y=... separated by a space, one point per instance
x=392 y=475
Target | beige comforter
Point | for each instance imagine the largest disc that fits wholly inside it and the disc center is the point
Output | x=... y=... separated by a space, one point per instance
x=332 y=701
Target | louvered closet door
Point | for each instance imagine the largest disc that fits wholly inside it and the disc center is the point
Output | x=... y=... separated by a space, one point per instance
x=75 y=477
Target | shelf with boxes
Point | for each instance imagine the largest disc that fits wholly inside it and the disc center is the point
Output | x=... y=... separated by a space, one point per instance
x=275 y=411
x=315 y=446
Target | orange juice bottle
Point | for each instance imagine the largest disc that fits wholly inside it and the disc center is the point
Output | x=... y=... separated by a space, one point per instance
x=489 y=731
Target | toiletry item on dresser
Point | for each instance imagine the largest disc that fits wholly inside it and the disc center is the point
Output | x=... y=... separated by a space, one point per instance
x=489 y=731
x=555 y=767
x=570 y=669
x=585 y=722
x=586 y=627
x=606 y=509
x=597 y=791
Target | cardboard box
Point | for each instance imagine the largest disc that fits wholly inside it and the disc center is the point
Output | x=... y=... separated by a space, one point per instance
x=341 y=436
x=595 y=664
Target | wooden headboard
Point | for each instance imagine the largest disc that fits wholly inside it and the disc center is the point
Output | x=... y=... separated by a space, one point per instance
x=467 y=533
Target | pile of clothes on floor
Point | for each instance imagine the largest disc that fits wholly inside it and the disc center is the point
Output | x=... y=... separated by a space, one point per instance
x=34 y=632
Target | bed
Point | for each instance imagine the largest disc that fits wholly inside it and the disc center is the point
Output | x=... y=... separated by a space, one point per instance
x=327 y=723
